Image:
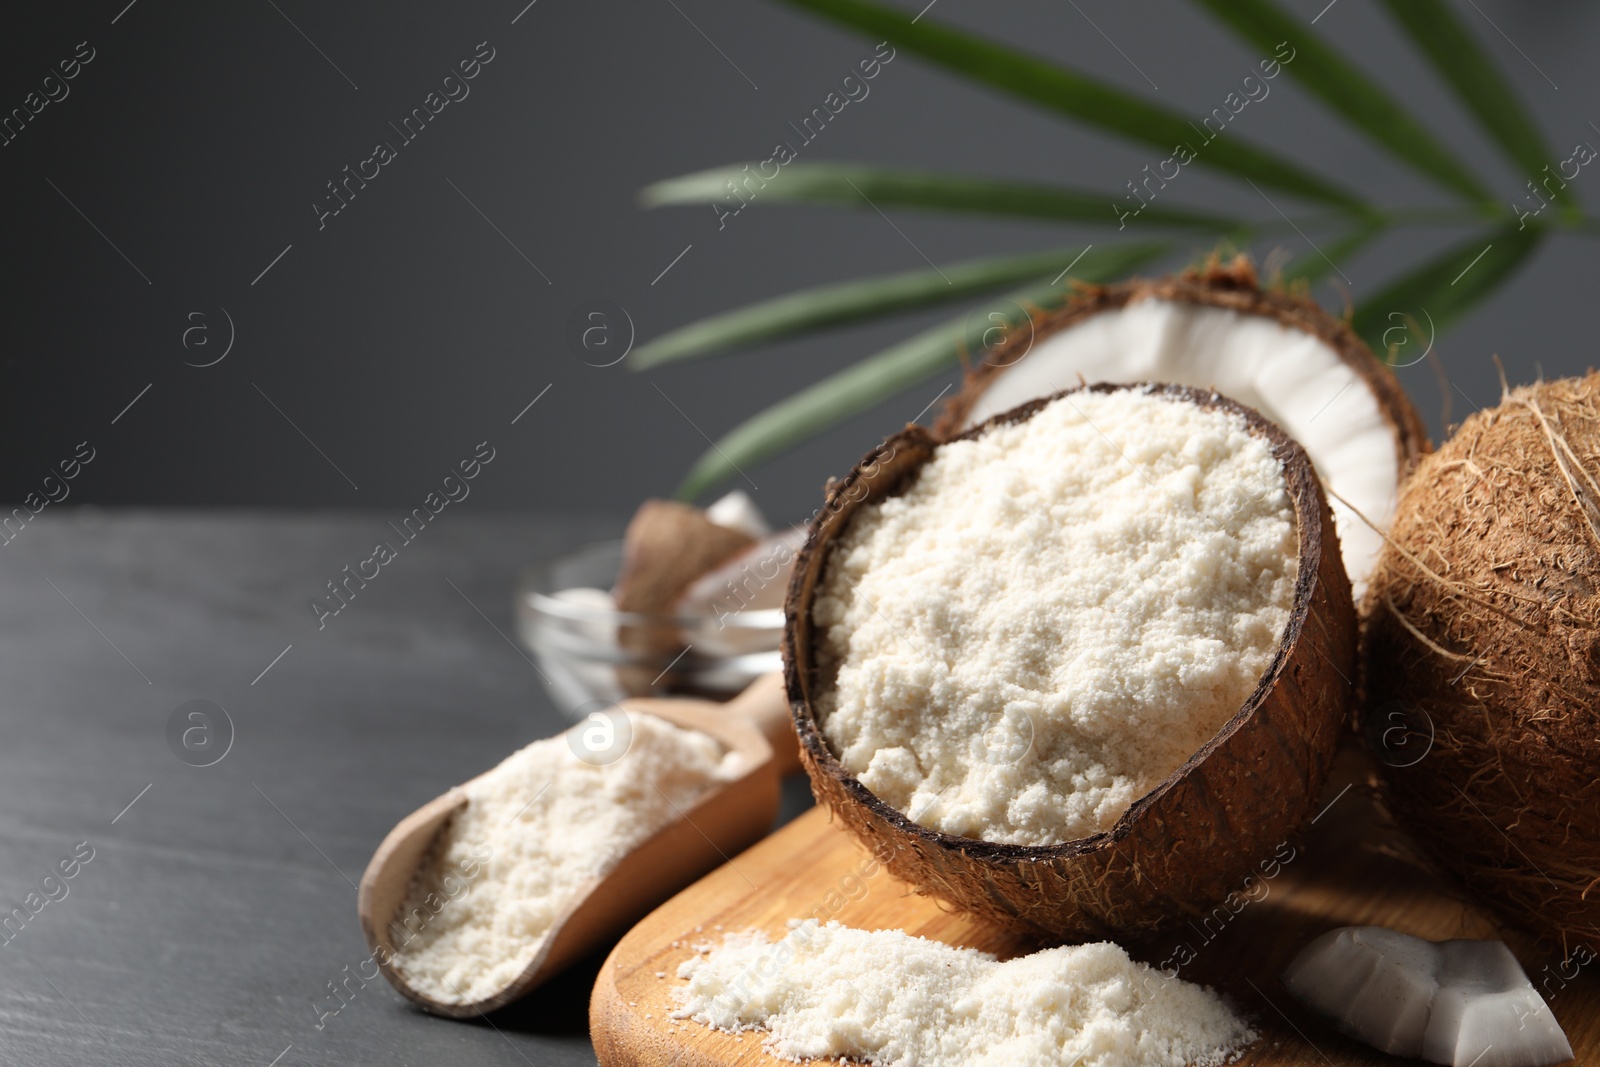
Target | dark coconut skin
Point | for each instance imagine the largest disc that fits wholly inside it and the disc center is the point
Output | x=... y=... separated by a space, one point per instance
x=1483 y=658
x=1181 y=848
x=1232 y=286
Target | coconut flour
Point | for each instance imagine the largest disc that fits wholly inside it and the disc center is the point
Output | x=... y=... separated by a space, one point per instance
x=1292 y=374
x=549 y=822
x=1055 y=615
x=886 y=997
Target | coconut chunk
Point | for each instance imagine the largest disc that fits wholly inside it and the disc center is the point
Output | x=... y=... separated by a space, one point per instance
x=1483 y=997
x=1463 y=1003
x=736 y=511
x=666 y=547
x=734 y=592
x=754 y=580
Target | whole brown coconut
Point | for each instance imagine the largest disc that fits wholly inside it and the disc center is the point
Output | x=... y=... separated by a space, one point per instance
x=1483 y=706
x=1186 y=844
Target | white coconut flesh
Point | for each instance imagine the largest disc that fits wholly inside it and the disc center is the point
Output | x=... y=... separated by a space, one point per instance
x=1291 y=376
x=1462 y=1003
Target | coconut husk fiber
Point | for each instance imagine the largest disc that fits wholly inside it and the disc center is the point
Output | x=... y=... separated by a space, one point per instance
x=1483 y=657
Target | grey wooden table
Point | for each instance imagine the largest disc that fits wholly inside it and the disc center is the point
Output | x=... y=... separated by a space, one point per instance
x=216 y=911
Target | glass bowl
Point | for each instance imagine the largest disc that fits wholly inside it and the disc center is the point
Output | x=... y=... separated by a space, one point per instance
x=591 y=654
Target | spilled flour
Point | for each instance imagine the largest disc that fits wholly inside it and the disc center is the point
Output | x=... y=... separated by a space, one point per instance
x=542 y=825
x=1055 y=615
x=886 y=997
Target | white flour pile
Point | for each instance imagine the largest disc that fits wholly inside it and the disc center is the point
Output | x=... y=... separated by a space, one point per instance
x=1056 y=615
x=887 y=997
x=549 y=823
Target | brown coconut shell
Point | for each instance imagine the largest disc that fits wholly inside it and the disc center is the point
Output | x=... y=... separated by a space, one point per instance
x=1187 y=843
x=1232 y=285
x=1483 y=653
x=666 y=548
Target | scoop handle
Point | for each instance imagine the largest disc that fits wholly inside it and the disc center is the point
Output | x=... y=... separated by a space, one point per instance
x=765 y=704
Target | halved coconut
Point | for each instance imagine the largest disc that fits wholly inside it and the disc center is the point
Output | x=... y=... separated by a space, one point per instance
x=1216 y=328
x=1186 y=843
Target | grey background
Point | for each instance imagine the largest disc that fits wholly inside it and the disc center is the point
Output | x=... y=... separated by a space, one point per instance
x=409 y=329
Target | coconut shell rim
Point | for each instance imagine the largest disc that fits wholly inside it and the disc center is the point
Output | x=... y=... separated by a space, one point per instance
x=1302 y=488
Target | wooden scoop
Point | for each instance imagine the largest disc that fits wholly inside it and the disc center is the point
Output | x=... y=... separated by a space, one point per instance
x=735 y=814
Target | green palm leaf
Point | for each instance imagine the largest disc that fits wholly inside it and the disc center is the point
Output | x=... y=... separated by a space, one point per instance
x=1070 y=93
x=899 y=367
x=1441 y=291
x=1347 y=91
x=828 y=305
x=1457 y=56
x=861 y=186
x=1311 y=267
x=1433 y=296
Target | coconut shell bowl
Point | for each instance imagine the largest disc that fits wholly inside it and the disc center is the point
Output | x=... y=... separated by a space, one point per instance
x=1183 y=846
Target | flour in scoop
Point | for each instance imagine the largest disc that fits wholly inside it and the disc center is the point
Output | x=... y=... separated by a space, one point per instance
x=1055 y=615
x=536 y=831
x=885 y=997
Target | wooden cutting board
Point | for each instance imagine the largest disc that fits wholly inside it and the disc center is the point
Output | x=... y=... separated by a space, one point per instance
x=1347 y=870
